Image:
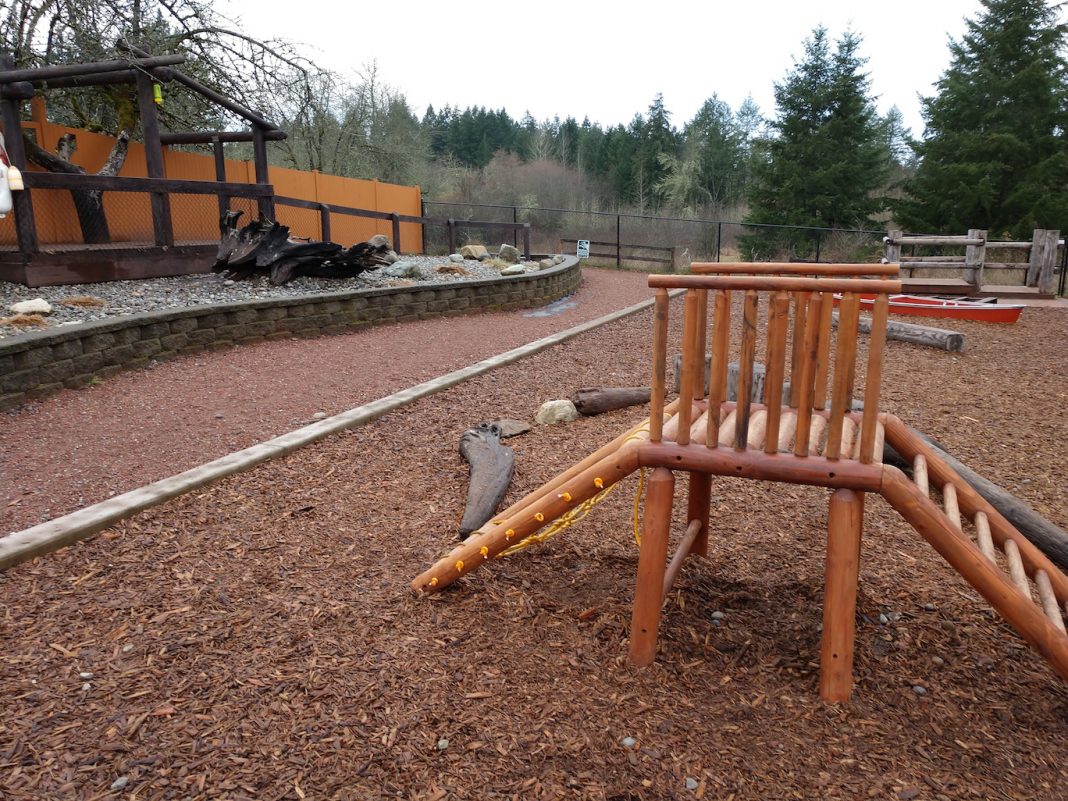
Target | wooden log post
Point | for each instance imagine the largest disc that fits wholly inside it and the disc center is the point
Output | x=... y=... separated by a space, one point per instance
x=161 y=204
x=974 y=257
x=893 y=246
x=940 y=338
x=25 y=225
x=259 y=156
x=1043 y=259
x=840 y=596
x=649 y=588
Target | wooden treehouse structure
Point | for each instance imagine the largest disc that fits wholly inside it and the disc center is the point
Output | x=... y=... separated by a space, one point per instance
x=36 y=262
x=806 y=430
x=973 y=264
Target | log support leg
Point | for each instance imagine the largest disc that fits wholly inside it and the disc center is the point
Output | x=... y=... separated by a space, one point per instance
x=649 y=589
x=840 y=596
x=698 y=509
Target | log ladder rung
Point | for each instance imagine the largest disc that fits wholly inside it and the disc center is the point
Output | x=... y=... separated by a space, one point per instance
x=1048 y=599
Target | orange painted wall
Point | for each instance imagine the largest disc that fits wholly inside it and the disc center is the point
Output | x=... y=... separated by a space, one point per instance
x=195 y=217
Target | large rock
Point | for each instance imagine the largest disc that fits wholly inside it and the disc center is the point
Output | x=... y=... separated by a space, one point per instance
x=514 y=269
x=556 y=411
x=474 y=251
x=456 y=257
x=380 y=242
x=509 y=254
x=403 y=269
x=545 y=264
x=35 y=306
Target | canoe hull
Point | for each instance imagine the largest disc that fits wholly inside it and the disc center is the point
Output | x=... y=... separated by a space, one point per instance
x=921 y=306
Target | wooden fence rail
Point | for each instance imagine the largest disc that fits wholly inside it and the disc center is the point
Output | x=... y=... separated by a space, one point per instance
x=617 y=252
x=1040 y=266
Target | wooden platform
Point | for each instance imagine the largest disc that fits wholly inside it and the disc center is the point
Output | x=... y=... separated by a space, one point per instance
x=958 y=286
x=79 y=264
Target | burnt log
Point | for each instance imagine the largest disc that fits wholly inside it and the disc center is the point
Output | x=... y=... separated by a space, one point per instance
x=596 y=400
x=491 y=473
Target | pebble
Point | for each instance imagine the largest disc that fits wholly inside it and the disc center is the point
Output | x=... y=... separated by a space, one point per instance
x=86 y=687
x=691 y=784
x=628 y=742
x=127 y=648
x=218 y=415
x=938 y=660
x=120 y=782
x=166 y=294
x=883 y=619
x=443 y=744
x=717 y=615
x=928 y=607
x=319 y=416
x=919 y=689
x=85 y=676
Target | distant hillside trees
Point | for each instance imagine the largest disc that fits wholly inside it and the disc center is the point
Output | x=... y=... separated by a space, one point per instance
x=995 y=152
x=825 y=162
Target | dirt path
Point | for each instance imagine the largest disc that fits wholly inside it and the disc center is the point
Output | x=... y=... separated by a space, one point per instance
x=82 y=446
x=257 y=639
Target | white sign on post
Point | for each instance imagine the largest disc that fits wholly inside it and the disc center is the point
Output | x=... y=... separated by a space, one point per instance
x=583 y=250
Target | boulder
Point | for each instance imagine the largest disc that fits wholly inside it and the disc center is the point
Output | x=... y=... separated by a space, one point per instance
x=35 y=306
x=474 y=251
x=380 y=242
x=456 y=258
x=514 y=269
x=508 y=253
x=403 y=269
x=556 y=411
x=545 y=264
x=558 y=259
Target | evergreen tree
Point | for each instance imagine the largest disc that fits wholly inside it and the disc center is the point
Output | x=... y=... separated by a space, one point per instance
x=995 y=152
x=657 y=140
x=825 y=161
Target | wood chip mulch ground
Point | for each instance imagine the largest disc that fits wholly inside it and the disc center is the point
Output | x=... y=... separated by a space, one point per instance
x=258 y=640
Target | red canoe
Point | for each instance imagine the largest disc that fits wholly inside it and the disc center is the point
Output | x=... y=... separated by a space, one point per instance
x=984 y=311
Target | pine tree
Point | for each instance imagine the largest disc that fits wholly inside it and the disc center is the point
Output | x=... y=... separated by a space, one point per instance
x=995 y=152
x=825 y=162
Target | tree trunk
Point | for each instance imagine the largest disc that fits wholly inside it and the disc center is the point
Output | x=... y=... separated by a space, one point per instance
x=88 y=203
x=595 y=400
x=940 y=338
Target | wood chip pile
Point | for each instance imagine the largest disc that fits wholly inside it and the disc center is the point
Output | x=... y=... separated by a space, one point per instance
x=257 y=639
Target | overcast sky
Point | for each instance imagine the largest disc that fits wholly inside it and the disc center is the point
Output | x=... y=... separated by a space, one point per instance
x=607 y=60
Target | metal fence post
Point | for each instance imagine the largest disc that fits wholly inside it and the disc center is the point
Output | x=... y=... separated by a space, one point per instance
x=450 y=224
x=719 y=240
x=422 y=226
x=619 y=259
x=818 y=242
x=515 y=231
x=526 y=240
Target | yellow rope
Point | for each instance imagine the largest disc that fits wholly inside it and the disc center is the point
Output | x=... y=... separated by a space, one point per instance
x=572 y=516
x=566 y=520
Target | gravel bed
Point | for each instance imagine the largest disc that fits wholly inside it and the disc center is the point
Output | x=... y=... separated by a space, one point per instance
x=257 y=639
x=79 y=303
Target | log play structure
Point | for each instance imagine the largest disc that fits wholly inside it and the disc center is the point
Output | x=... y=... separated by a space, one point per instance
x=811 y=434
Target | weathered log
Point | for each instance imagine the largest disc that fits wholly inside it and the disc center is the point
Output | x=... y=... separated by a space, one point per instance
x=595 y=400
x=917 y=334
x=491 y=473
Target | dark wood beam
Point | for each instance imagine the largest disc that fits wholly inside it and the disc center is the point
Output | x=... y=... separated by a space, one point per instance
x=53 y=180
x=38 y=74
x=259 y=155
x=208 y=137
x=25 y=226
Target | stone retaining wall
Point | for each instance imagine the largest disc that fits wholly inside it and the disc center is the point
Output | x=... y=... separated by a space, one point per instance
x=38 y=364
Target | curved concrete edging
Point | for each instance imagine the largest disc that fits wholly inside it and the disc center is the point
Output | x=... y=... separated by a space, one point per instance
x=21 y=546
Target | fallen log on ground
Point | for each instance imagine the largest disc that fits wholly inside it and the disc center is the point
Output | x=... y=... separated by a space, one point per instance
x=940 y=338
x=595 y=400
x=491 y=473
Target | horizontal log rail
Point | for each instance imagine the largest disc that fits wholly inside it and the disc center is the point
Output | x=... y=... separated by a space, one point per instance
x=771 y=283
x=792 y=268
x=616 y=248
x=55 y=180
x=38 y=74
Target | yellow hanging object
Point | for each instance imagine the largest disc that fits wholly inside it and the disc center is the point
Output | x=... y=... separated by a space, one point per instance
x=14 y=179
x=157 y=94
x=567 y=519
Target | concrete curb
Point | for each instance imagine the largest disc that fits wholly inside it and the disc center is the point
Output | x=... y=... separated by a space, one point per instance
x=21 y=546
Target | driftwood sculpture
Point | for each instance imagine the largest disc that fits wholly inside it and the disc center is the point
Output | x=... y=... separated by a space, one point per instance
x=265 y=245
x=491 y=473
